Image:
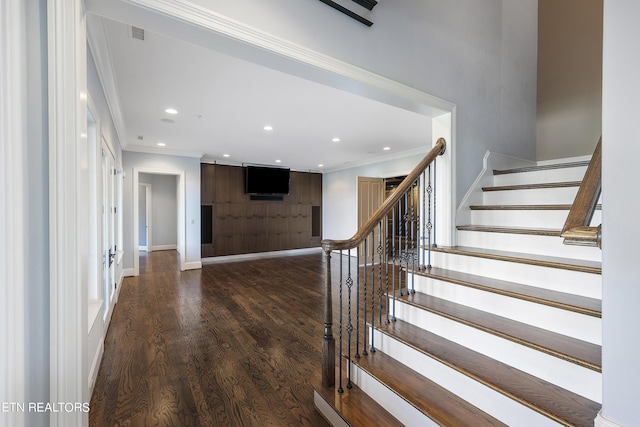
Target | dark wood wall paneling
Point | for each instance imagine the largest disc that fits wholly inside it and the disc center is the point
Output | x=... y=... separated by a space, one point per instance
x=240 y=225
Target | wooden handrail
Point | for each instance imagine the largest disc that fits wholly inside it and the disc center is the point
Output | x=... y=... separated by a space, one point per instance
x=576 y=230
x=386 y=207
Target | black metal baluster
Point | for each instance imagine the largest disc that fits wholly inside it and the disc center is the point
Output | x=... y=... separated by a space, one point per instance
x=349 y=282
x=422 y=223
x=413 y=236
x=373 y=288
x=405 y=255
x=340 y=353
x=435 y=245
x=357 y=355
x=386 y=266
x=364 y=302
x=429 y=224
x=393 y=258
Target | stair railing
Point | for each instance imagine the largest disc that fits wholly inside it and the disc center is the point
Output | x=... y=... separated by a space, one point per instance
x=372 y=267
x=577 y=229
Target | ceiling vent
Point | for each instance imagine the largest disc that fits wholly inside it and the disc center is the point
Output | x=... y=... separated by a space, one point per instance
x=136 y=33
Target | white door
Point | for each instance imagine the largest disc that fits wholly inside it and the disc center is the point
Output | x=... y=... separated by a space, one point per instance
x=109 y=224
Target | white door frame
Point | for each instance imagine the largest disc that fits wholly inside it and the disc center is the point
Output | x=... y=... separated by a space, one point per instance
x=182 y=226
x=148 y=216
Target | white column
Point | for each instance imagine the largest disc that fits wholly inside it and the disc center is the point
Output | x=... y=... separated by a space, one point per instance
x=12 y=201
x=621 y=207
x=68 y=249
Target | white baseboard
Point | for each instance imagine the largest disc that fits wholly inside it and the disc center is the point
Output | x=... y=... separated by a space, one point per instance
x=601 y=421
x=95 y=366
x=128 y=272
x=193 y=265
x=164 y=247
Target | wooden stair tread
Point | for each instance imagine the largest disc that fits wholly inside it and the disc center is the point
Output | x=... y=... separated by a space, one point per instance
x=436 y=402
x=356 y=407
x=593 y=267
x=566 y=348
x=556 y=207
x=544 y=397
x=541 y=167
x=533 y=186
x=512 y=230
x=565 y=301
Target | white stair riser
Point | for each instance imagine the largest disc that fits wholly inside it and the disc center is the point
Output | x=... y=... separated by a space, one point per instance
x=481 y=396
x=570 y=376
x=327 y=411
x=572 y=282
x=540 y=177
x=569 y=323
x=402 y=410
x=552 y=219
x=533 y=244
x=538 y=196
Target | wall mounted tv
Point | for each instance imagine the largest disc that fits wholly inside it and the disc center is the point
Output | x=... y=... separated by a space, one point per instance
x=267 y=180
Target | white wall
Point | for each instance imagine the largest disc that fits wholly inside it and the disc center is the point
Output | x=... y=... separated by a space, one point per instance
x=158 y=162
x=340 y=194
x=620 y=254
x=164 y=209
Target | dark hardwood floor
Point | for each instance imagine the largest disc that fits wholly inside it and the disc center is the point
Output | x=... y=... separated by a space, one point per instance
x=233 y=344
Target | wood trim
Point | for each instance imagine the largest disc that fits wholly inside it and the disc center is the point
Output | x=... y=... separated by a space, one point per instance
x=576 y=229
x=591 y=267
x=329 y=245
x=533 y=186
x=541 y=167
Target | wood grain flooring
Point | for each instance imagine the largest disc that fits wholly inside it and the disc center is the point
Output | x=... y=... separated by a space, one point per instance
x=233 y=344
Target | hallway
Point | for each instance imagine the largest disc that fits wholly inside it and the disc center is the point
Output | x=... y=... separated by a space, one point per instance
x=233 y=344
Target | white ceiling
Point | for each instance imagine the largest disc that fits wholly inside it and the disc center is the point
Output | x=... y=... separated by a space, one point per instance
x=223 y=104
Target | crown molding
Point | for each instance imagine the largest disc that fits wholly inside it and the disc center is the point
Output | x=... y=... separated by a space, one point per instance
x=99 y=48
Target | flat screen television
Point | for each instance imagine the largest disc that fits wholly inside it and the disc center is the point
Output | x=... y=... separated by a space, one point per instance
x=267 y=180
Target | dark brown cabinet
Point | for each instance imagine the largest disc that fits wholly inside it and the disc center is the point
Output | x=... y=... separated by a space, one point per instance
x=242 y=224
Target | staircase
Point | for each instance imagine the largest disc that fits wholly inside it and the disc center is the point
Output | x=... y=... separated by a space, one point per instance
x=505 y=329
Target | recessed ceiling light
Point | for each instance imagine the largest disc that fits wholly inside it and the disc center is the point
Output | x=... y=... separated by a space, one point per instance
x=268 y=127
x=226 y=155
x=320 y=165
x=171 y=111
x=387 y=148
x=161 y=144
x=336 y=140
x=278 y=161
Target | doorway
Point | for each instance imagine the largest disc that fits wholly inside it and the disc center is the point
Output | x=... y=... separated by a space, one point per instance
x=180 y=217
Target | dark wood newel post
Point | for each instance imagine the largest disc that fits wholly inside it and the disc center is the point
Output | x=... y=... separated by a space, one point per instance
x=328 y=343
